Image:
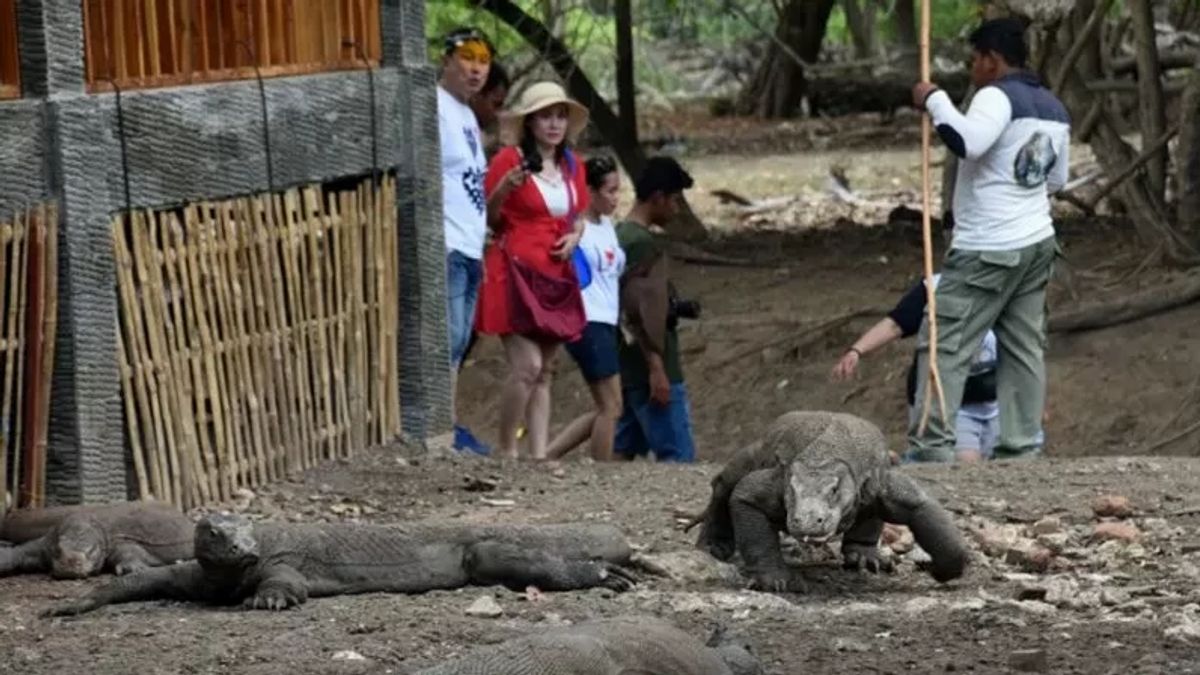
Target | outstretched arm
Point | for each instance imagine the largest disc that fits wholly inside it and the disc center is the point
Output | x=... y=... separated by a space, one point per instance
x=905 y=503
x=181 y=581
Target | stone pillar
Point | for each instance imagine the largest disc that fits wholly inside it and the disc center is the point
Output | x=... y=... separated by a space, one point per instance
x=424 y=340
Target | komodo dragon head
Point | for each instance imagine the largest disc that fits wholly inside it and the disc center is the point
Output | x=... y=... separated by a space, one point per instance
x=819 y=499
x=225 y=541
x=78 y=549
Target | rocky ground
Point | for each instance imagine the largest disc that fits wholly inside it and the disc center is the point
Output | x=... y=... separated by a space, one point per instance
x=1054 y=586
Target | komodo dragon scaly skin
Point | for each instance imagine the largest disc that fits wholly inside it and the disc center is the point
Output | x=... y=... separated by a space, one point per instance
x=24 y=525
x=269 y=565
x=81 y=541
x=624 y=645
x=816 y=475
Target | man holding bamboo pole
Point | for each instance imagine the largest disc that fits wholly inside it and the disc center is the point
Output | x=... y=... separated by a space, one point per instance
x=1012 y=146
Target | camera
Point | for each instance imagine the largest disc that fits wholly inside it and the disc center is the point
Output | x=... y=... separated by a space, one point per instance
x=678 y=308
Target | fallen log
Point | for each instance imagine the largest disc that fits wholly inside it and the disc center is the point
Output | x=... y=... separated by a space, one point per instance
x=1128 y=308
x=836 y=95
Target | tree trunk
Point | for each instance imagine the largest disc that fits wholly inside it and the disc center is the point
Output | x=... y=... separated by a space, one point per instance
x=778 y=85
x=1187 y=184
x=1152 y=112
x=860 y=19
x=904 y=22
x=626 y=86
x=629 y=152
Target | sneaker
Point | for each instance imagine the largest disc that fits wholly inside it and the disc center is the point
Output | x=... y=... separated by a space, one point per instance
x=465 y=440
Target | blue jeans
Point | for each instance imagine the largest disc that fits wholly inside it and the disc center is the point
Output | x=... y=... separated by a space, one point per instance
x=463 y=275
x=646 y=426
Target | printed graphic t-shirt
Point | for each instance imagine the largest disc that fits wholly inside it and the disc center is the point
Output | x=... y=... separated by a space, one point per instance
x=601 y=298
x=464 y=205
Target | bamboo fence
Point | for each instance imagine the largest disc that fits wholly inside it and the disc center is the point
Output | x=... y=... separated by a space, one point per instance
x=29 y=301
x=257 y=336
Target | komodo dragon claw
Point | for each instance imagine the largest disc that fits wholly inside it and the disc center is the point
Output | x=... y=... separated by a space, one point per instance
x=274 y=599
x=862 y=557
x=617 y=578
x=778 y=581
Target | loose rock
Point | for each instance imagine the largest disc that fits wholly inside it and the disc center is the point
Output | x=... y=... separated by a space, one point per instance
x=898 y=538
x=1029 y=556
x=1029 y=660
x=485 y=607
x=1114 y=531
x=1112 y=506
x=1047 y=525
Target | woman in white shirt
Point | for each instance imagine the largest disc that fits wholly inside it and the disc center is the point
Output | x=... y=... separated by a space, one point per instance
x=596 y=351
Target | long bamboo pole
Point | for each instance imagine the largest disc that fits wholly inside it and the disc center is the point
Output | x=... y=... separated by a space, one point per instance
x=935 y=379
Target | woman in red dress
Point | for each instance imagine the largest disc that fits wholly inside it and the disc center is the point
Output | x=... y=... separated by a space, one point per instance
x=536 y=188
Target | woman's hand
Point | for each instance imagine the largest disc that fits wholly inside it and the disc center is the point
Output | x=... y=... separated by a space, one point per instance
x=845 y=367
x=566 y=245
x=511 y=181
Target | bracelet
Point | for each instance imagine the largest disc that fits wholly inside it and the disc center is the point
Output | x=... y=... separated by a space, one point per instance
x=856 y=350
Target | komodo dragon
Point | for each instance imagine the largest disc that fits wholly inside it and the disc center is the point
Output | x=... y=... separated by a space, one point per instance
x=816 y=475
x=22 y=525
x=268 y=565
x=625 y=645
x=81 y=541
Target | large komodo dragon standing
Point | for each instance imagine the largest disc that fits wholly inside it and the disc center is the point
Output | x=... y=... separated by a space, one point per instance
x=73 y=542
x=816 y=475
x=279 y=565
x=618 y=646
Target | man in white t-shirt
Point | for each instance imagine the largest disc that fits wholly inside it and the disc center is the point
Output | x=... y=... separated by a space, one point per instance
x=466 y=59
x=1012 y=146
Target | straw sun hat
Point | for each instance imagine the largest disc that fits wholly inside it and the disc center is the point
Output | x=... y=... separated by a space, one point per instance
x=536 y=97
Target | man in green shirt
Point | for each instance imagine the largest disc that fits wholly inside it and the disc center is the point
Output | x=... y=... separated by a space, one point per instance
x=656 y=415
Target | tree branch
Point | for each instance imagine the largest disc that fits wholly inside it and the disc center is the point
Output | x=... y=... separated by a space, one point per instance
x=1085 y=37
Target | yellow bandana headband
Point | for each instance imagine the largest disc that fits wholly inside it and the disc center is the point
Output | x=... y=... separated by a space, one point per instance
x=473 y=50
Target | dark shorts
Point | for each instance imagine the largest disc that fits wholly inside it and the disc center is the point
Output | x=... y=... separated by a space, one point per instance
x=596 y=351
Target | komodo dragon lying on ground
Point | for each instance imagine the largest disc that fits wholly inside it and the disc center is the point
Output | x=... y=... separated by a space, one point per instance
x=276 y=565
x=816 y=475
x=74 y=542
x=624 y=645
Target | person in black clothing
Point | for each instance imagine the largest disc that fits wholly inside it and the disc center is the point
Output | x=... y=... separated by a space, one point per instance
x=977 y=424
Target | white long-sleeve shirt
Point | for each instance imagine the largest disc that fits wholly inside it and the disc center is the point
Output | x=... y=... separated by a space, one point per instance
x=1013 y=147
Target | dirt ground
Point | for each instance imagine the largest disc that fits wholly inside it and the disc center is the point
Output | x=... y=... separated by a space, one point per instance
x=1099 y=607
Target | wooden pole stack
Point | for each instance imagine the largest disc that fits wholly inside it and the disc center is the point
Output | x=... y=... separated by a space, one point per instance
x=935 y=380
x=29 y=297
x=257 y=337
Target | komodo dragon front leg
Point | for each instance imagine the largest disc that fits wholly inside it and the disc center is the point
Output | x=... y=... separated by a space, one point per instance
x=757 y=509
x=128 y=557
x=489 y=563
x=903 y=502
x=23 y=558
x=281 y=587
x=181 y=581
x=860 y=545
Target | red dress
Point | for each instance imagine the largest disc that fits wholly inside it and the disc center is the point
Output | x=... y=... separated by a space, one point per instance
x=529 y=232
